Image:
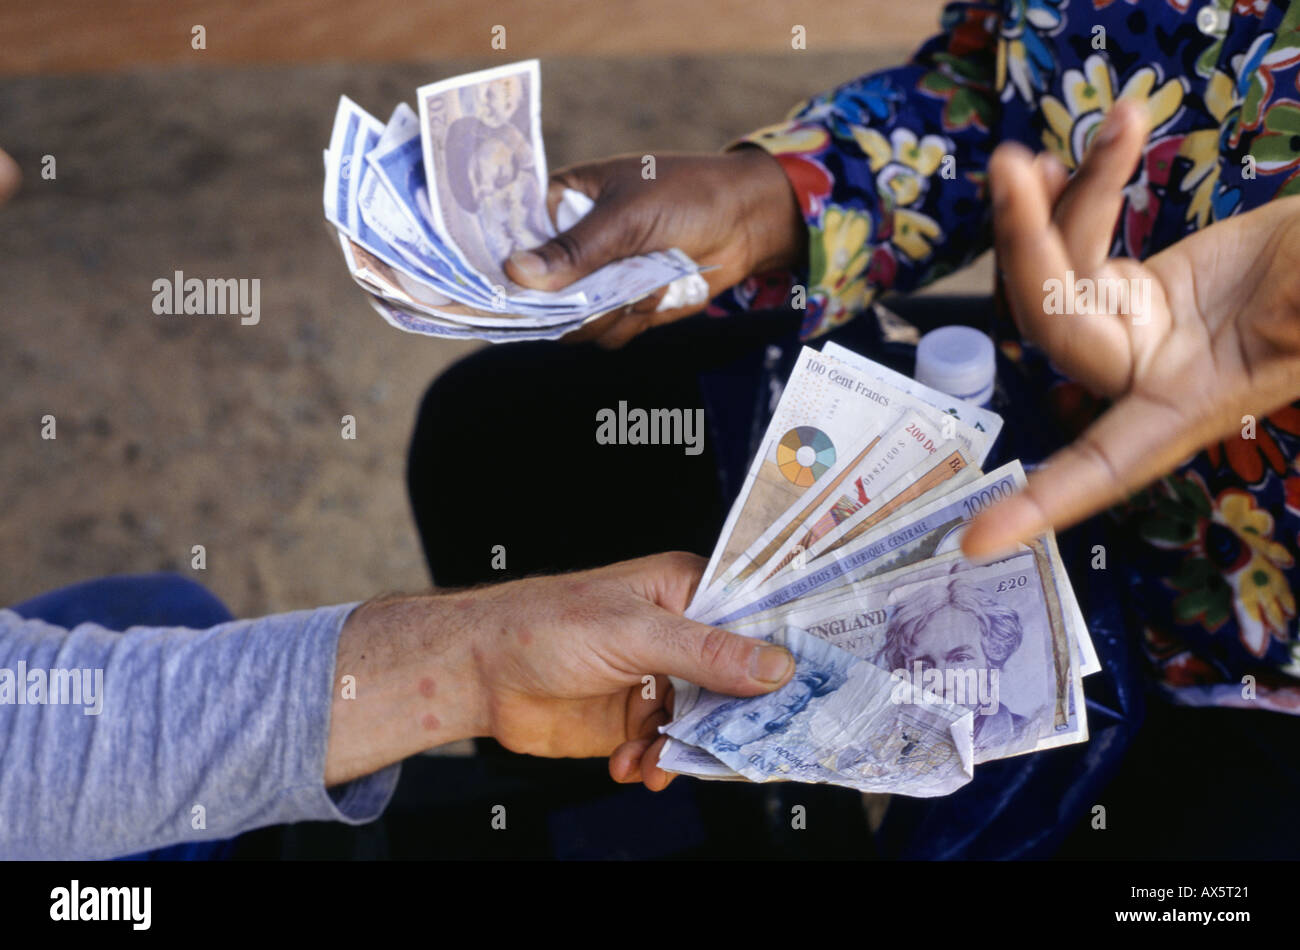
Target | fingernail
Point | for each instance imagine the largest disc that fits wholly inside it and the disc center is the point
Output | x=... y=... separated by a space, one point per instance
x=1055 y=166
x=1109 y=131
x=528 y=265
x=1010 y=519
x=770 y=664
x=992 y=555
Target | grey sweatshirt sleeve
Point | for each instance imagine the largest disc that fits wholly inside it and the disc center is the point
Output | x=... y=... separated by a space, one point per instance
x=225 y=727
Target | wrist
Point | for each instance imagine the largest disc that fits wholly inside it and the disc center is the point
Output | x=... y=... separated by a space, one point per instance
x=415 y=683
x=776 y=233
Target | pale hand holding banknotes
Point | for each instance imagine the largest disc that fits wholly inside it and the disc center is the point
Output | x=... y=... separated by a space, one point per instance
x=914 y=665
x=429 y=206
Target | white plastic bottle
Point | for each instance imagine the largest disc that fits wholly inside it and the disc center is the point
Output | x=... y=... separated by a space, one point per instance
x=959 y=361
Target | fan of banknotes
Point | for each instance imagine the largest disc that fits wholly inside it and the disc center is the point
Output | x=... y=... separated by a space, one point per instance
x=914 y=664
x=429 y=206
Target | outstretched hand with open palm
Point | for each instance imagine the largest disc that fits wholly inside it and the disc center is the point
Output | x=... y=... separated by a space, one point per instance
x=1219 y=340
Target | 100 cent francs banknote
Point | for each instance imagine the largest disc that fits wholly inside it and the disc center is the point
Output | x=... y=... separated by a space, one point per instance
x=914 y=665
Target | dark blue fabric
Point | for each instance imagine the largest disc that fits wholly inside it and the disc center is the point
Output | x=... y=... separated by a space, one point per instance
x=118 y=603
x=154 y=600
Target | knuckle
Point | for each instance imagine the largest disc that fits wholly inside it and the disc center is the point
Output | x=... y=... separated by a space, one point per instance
x=565 y=248
x=717 y=648
x=1096 y=454
x=682 y=561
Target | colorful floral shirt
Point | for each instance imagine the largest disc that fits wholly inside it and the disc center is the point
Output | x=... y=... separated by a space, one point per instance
x=889 y=170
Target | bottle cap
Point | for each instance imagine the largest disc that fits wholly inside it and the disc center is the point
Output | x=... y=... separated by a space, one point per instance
x=959 y=361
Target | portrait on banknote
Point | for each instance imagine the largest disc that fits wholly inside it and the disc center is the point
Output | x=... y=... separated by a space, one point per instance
x=483 y=156
x=981 y=637
x=490 y=175
x=767 y=715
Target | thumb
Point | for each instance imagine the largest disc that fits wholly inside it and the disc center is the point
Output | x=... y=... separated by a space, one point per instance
x=599 y=237
x=1115 y=457
x=713 y=658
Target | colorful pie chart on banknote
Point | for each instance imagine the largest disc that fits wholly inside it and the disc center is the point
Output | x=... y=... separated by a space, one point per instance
x=803 y=454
